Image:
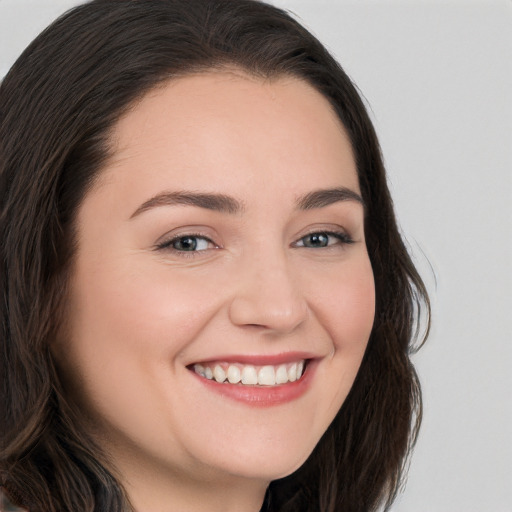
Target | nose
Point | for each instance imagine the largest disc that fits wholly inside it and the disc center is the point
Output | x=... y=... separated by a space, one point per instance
x=268 y=296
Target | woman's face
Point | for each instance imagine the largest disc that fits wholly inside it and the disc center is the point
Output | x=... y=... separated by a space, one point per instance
x=223 y=241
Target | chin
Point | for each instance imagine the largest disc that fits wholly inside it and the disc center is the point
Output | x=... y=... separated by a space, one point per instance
x=261 y=461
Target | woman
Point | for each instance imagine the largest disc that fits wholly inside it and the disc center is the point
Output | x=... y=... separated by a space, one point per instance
x=207 y=303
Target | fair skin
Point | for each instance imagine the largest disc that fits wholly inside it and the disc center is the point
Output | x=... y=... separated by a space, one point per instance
x=275 y=276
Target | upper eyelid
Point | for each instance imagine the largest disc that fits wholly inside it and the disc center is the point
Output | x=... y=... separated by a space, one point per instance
x=326 y=231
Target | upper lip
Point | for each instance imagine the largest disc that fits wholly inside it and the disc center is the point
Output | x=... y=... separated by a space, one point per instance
x=259 y=359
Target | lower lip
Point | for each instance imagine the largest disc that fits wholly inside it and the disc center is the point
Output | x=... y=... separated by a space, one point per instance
x=262 y=396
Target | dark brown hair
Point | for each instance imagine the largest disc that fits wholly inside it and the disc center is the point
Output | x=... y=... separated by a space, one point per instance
x=58 y=104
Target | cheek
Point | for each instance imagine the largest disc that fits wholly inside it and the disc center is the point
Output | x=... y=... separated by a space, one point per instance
x=346 y=309
x=127 y=334
x=122 y=321
x=352 y=323
x=357 y=306
x=142 y=310
x=345 y=304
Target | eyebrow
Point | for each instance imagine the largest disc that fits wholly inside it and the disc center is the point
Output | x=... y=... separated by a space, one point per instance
x=226 y=204
x=217 y=202
x=325 y=197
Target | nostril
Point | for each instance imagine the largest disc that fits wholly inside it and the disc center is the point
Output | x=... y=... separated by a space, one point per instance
x=272 y=311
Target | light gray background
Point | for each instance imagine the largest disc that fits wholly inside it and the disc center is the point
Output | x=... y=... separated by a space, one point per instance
x=437 y=77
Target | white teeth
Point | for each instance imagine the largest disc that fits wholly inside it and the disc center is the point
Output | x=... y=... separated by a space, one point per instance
x=281 y=374
x=267 y=376
x=219 y=374
x=292 y=372
x=199 y=370
x=300 y=369
x=234 y=375
x=249 y=375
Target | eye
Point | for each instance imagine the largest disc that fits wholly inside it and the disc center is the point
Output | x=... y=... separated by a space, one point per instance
x=319 y=240
x=187 y=243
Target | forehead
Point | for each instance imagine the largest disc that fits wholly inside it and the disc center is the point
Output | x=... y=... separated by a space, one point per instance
x=219 y=128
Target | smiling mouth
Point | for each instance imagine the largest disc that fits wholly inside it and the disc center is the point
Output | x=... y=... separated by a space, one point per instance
x=252 y=375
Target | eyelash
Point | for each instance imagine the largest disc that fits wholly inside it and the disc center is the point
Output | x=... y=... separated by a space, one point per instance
x=167 y=245
x=342 y=237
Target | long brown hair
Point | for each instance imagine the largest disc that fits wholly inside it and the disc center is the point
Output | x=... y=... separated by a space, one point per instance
x=58 y=104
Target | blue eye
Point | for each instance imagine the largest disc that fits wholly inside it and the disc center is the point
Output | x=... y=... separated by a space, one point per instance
x=187 y=243
x=323 y=239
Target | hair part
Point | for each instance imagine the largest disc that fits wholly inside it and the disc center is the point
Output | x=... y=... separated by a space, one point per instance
x=58 y=106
